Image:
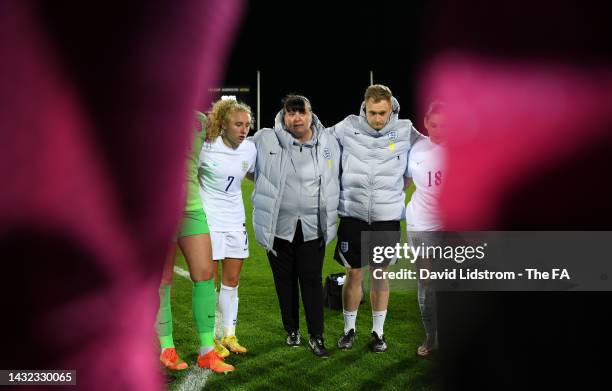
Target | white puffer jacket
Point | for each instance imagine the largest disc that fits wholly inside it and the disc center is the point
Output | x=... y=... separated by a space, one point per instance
x=373 y=166
x=271 y=169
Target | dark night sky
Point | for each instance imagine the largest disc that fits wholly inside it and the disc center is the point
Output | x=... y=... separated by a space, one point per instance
x=326 y=54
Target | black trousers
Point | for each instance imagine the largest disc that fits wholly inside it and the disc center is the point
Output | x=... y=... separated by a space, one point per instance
x=299 y=262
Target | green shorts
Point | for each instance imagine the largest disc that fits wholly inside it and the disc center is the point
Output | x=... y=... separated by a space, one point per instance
x=193 y=223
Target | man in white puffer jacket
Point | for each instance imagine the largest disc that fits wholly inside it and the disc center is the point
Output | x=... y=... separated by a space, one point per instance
x=375 y=148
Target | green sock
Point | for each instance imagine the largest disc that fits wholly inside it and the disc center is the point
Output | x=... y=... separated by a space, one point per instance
x=164 y=318
x=204 y=302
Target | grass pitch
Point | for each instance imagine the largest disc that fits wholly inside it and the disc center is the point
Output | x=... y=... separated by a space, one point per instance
x=270 y=364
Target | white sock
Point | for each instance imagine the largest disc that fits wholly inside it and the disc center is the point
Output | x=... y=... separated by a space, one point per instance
x=234 y=314
x=205 y=349
x=228 y=304
x=378 y=321
x=218 y=319
x=218 y=322
x=349 y=320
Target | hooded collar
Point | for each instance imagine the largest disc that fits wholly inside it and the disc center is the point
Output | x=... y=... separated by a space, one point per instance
x=286 y=139
x=365 y=127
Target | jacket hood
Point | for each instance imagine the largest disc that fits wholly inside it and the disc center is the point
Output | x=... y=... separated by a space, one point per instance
x=286 y=138
x=395 y=108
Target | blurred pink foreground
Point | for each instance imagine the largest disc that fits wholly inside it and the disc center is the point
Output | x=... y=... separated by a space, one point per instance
x=96 y=113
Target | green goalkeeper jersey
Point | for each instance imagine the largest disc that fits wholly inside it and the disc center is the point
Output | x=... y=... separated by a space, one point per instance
x=193 y=202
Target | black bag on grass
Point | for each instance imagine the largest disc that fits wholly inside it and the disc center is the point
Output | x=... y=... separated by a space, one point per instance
x=332 y=291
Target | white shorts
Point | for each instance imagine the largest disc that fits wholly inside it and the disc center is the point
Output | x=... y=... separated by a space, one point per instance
x=232 y=244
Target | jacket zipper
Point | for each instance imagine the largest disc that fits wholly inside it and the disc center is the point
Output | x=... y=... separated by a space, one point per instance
x=283 y=176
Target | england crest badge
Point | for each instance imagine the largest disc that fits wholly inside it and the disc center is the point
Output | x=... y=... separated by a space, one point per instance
x=326 y=153
x=344 y=246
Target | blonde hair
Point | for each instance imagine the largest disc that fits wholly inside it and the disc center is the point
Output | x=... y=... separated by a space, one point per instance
x=377 y=92
x=219 y=116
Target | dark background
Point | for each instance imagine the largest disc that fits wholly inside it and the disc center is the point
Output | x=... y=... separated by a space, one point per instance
x=326 y=52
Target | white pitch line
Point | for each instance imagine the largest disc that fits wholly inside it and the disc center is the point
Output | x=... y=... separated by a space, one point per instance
x=195 y=379
x=182 y=272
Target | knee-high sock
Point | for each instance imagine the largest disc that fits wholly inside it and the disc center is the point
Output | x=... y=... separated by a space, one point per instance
x=378 y=321
x=427 y=305
x=218 y=321
x=203 y=302
x=349 y=320
x=228 y=304
x=164 y=317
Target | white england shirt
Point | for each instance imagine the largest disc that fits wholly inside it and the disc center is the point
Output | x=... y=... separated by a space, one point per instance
x=426 y=168
x=220 y=173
